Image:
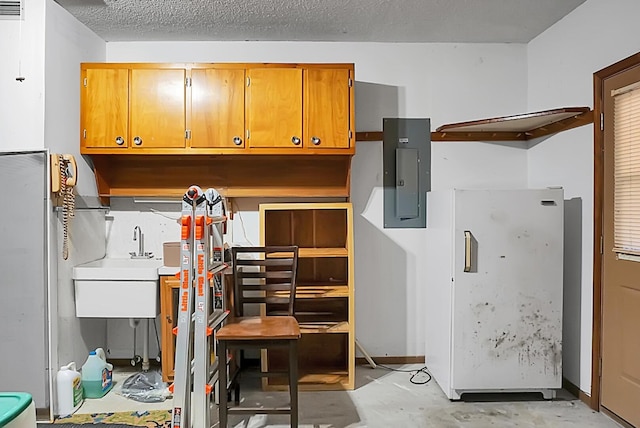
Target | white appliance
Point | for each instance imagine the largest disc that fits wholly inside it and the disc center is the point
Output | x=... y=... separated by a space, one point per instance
x=494 y=261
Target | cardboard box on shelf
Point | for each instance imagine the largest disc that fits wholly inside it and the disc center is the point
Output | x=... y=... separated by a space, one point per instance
x=171 y=253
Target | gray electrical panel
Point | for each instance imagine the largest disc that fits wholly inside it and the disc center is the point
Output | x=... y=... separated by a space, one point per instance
x=406 y=156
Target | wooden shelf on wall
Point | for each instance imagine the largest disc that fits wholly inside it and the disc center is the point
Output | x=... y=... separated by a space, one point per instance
x=520 y=127
x=232 y=176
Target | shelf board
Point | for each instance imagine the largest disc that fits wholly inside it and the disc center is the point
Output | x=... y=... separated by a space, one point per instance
x=317 y=252
x=324 y=327
x=316 y=291
x=517 y=127
x=170 y=175
x=330 y=379
x=323 y=252
x=520 y=127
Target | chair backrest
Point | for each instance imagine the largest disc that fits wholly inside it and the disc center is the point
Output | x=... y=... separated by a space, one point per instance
x=265 y=275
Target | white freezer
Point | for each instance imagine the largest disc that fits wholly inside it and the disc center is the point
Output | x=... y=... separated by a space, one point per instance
x=496 y=327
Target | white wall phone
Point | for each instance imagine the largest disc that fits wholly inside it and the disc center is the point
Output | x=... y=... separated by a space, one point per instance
x=64 y=176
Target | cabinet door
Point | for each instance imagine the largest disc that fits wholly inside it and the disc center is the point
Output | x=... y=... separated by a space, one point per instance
x=217 y=108
x=157 y=108
x=274 y=107
x=327 y=107
x=105 y=108
x=169 y=288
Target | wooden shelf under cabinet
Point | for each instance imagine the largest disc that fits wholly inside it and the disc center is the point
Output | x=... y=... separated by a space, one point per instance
x=233 y=176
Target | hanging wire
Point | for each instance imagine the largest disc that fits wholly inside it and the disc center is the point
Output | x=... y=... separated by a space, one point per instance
x=20 y=77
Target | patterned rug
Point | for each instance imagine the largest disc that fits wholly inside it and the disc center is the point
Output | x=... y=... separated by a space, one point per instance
x=149 y=419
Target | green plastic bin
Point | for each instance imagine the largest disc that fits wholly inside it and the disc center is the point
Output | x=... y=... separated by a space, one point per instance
x=17 y=410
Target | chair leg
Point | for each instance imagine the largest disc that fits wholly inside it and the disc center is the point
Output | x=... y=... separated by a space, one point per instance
x=293 y=381
x=222 y=383
x=236 y=393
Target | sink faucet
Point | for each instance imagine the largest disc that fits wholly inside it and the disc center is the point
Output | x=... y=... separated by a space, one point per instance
x=139 y=236
x=138 y=232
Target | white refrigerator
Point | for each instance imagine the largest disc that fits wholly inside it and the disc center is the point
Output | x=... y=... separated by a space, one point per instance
x=494 y=261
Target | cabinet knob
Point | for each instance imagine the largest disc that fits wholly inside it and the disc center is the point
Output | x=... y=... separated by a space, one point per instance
x=137 y=141
x=315 y=141
x=119 y=141
x=169 y=320
x=295 y=140
x=237 y=141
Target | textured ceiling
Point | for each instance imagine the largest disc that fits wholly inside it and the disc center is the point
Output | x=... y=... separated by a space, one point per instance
x=472 y=21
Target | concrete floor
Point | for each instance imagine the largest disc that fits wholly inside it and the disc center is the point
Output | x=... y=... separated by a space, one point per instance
x=385 y=399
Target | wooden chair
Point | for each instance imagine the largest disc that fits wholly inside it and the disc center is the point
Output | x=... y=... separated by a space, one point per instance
x=261 y=275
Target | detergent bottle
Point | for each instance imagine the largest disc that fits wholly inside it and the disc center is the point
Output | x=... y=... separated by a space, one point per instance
x=69 y=390
x=96 y=375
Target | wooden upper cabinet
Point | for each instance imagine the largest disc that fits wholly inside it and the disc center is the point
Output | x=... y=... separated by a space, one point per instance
x=327 y=108
x=105 y=108
x=125 y=108
x=158 y=108
x=217 y=108
x=274 y=108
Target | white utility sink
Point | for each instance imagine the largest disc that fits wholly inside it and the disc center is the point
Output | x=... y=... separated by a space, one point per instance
x=117 y=288
x=118 y=269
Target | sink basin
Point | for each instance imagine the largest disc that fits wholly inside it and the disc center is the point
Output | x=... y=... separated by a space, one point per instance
x=118 y=269
x=117 y=288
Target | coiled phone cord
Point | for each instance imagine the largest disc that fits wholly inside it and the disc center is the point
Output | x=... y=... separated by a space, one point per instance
x=68 y=206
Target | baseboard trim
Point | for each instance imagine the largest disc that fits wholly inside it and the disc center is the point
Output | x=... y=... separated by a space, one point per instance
x=577 y=392
x=615 y=417
x=124 y=362
x=419 y=359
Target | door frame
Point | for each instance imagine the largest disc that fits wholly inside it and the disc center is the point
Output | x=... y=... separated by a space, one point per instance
x=598 y=209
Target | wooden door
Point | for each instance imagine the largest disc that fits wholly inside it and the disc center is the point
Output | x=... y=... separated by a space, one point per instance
x=157 y=108
x=326 y=108
x=620 y=379
x=217 y=108
x=274 y=107
x=105 y=108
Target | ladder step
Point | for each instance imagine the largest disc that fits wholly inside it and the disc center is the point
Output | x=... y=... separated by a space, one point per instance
x=217 y=317
x=213 y=372
x=217 y=268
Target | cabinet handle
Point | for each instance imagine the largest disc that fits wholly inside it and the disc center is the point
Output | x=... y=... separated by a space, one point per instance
x=137 y=141
x=237 y=141
x=119 y=141
x=169 y=320
x=295 y=140
x=315 y=141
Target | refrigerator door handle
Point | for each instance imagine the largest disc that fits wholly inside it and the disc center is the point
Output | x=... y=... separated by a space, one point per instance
x=467 y=251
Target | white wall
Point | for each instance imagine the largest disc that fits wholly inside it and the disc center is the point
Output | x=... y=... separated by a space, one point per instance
x=67 y=44
x=445 y=82
x=561 y=63
x=22 y=106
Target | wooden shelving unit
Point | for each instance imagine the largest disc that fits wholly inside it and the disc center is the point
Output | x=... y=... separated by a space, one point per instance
x=169 y=288
x=169 y=295
x=520 y=127
x=324 y=294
